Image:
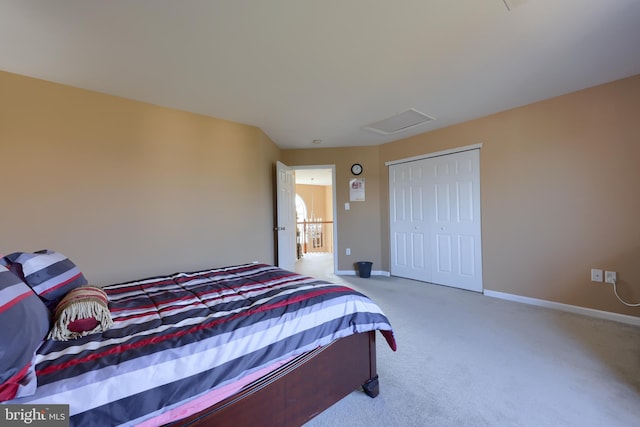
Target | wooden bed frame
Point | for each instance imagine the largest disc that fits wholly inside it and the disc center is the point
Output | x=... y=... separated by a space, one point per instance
x=301 y=389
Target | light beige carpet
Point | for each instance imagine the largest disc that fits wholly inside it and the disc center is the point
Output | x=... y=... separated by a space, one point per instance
x=465 y=359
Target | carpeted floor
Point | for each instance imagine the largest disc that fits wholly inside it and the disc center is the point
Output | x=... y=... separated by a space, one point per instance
x=465 y=359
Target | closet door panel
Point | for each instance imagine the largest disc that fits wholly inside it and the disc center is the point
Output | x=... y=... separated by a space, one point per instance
x=407 y=216
x=435 y=220
x=457 y=220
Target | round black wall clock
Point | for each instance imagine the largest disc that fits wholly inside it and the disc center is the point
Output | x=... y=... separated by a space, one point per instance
x=356 y=169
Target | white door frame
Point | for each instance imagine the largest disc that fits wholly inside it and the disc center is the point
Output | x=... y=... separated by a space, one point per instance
x=427 y=156
x=335 y=208
x=435 y=154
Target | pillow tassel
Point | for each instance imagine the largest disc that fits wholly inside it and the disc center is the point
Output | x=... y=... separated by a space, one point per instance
x=80 y=309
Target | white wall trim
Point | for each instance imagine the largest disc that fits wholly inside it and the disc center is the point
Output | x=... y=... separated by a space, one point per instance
x=436 y=154
x=335 y=206
x=353 y=273
x=346 y=272
x=631 y=320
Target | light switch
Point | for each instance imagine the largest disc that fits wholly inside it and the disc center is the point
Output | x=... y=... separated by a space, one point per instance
x=347 y=206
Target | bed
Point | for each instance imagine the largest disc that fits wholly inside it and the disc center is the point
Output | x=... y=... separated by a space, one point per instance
x=238 y=345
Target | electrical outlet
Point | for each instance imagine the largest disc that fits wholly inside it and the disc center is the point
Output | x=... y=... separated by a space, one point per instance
x=610 y=277
x=348 y=251
x=596 y=275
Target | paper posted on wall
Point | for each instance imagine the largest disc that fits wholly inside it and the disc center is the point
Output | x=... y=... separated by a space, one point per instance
x=356 y=190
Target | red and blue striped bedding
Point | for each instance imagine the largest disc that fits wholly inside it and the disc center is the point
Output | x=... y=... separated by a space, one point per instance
x=176 y=338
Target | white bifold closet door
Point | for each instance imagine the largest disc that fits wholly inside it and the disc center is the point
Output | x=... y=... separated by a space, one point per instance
x=435 y=220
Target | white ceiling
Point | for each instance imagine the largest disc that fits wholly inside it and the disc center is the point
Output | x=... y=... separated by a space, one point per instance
x=307 y=70
x=314 y=176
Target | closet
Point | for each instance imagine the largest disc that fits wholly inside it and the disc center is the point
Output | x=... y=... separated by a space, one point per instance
x=435 y=218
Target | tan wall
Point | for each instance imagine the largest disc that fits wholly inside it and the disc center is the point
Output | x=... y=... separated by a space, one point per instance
x=328 y=200
x=358 y=228
x=127 y=189
x=319 y=202
x=560 y=190
x=315 y=197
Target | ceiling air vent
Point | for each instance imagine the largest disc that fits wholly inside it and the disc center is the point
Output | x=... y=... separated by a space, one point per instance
x=401 y=121
x=510 y=4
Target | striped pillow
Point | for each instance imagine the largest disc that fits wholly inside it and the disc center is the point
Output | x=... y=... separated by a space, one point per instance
x=25 y=322
x=50 y=274
x=81 y=312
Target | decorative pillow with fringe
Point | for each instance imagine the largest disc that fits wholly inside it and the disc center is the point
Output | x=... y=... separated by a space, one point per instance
x=83 y=311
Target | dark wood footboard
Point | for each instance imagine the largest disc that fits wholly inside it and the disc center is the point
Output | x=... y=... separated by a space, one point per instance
x=301 y=389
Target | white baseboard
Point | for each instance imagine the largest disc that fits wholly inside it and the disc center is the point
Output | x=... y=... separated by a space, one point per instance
x=353 y=273
x=345 y=273
x=631 y=320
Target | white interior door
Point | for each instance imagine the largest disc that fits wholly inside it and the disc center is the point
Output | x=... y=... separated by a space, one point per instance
x=436 y=229
x=456 y=243
x=286 y=213
x=408 y=222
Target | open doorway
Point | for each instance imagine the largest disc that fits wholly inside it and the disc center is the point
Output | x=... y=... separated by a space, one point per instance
x=315 y=218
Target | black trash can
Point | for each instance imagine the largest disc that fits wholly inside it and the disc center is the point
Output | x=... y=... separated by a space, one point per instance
x=364 y=268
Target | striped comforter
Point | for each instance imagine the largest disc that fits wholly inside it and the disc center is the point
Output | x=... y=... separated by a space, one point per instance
x=177 y=337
